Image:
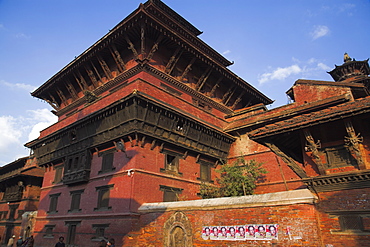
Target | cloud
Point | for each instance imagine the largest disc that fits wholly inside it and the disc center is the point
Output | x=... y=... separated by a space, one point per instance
x=9 y=133
x=22 y=86
x=22 y=36
x=226 y=52
x=320 y=31
x=16 y=131
x=43 y=118
x=302 y=69
x=280 y=74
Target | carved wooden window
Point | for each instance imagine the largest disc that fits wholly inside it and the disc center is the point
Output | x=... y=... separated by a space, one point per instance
x=53 y=203
x=13 y=193
x=338 y=157
x=103 y=197
x=71 y=234
x=205 y=172
x=170 y=194
x=3 y=215
x=351 y=223
x=49 y=231
x=107 y=160
x=58 y=174
x=75 y=200
x=20 y=213
x=99 y=230
x=12 y=210
x=172 y=162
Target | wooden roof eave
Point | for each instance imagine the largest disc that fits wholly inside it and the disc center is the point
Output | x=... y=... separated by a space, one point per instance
x=87 y=53
x=313 y=122
x=285 y=114
x=217 y=66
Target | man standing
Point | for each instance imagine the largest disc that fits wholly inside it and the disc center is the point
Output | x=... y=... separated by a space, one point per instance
x=60 y=243
x=11 y=241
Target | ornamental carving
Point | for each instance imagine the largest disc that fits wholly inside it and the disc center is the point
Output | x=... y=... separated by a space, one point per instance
x=177 y=231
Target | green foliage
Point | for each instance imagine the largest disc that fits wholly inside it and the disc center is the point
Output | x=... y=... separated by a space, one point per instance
x=237 y=179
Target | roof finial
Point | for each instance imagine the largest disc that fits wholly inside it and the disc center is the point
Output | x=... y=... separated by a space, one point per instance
x=347 y=58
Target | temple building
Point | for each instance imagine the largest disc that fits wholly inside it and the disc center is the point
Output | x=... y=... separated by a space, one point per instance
x=148 y=112
x=20 y=184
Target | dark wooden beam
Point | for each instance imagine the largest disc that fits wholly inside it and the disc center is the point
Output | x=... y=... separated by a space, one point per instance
x=202 y=80
x=173 y=60
x=91 y=75
x=154 y=47
x=117 y=58
x=213 y=90
x=131 y=47
x=105 y=67
x=188 y=68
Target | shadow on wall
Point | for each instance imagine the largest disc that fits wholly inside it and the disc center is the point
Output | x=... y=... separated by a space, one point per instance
x=84 y=213
x=344 y=217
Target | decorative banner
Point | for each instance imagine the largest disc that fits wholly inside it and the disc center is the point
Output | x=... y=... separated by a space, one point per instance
x=241 y=232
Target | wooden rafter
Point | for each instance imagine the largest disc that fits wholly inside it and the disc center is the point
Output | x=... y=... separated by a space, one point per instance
x=105 y=67
x=131 y=46
x=188 y=68
x=173 y=60
x=117 y=58
x=202 y=80
x=217 y=84
x=91 y=75
x=238 y=99
x=287 y=159
x=154 y=47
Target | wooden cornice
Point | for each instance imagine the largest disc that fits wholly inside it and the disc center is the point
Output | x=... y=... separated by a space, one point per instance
x=339 y=181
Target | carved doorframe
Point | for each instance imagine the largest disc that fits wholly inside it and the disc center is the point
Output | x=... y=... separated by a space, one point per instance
x=178 y=221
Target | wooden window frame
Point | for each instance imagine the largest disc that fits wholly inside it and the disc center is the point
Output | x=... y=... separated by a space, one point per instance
x=167 y=191
x=53 y=206
x=103 y=191
x=75 y=195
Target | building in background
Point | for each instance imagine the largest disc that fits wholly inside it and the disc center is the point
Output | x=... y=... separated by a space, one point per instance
x=147 y=113
x=20 y=184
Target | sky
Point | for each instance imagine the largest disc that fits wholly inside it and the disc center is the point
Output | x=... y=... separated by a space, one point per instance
x=272 y=44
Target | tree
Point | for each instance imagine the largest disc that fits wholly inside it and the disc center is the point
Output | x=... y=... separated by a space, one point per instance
x=236 y=179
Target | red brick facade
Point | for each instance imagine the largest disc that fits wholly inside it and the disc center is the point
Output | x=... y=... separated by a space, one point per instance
x=150 y=111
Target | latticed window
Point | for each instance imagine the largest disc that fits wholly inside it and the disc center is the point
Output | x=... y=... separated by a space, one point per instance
x=107 y=160
x=205 y=172
x=107 y=163
x=75 y=200
x=58 y=174
x=53 y=203
x=351 y=223
x=99 y=230
x=103 y=197
x=170 y=194
x=71 y=235
x=49 y=231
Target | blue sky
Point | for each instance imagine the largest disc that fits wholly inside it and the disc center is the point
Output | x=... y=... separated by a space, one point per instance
x=272 y=43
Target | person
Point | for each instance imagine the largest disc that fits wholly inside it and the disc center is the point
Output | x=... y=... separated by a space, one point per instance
x=261 y=232
x=111 y=243
x=241 y=232
x=102 y=243
x=231 y=233
x=251 y=231
x=223 y=233
x=30 y=241
x=214 y=233
x=11 y=241
x=60 y=243
x=272 y=232
x=206 y=233
x=19 y=241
